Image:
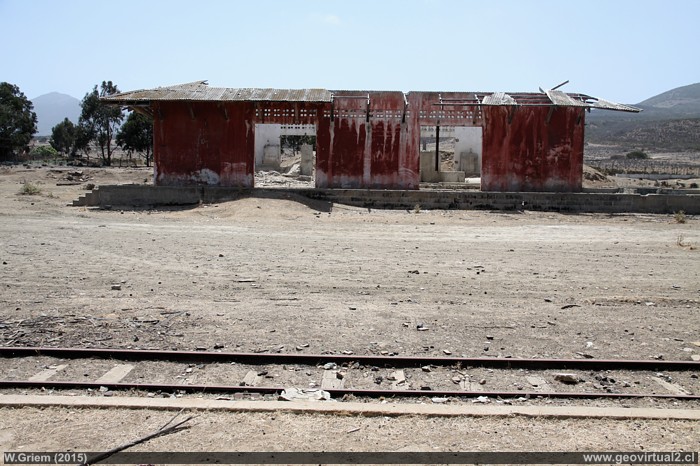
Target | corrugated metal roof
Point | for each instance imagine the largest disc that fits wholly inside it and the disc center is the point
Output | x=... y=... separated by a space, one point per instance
x=607 y=105
x=284 y=95
x=200 y=91
x=498 y=98
x=562 y=99
x=515 y=98
x=554 y=97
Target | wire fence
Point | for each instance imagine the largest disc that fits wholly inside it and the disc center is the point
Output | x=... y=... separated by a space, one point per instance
x=646 y=166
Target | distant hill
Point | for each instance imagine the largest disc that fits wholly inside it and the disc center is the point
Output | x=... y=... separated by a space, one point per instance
x=52 y=108
x=682 y=102
x=668 y=121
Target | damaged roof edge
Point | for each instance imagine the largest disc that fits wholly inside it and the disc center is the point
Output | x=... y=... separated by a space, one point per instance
x=199 y=91
x=607 y=105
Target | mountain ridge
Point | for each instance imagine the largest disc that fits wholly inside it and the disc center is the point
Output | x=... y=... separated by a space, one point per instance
x=53 y=108
x=679 y=95
x=680 y=102
x=669 y=121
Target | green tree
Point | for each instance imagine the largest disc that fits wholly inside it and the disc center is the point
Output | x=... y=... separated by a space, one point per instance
x=136 y=135
x=17 y=121
x=295 y=142
x=100 y=121
x=43 y=152
x=63 y=137
x=83 y=136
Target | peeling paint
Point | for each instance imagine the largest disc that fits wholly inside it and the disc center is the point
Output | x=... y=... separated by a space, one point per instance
x=522 y=151
x=370 y=140
x=368 y=145
x=205 y=176
x=194 y=143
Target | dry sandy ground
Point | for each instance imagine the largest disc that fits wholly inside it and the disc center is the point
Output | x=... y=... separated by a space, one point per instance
x=89 y=430
x=275 y=274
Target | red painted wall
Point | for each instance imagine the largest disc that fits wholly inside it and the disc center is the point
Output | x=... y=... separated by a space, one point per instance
x=527 y=149
x=426 y=109
x=290 y=113
x=203 y=143
x=524 y=148
x=353 y=152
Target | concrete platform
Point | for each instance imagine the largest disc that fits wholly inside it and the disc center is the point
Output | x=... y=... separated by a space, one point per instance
x=142 y=196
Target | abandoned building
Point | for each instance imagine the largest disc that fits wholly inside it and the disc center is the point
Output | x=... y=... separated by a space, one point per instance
x=514 y=142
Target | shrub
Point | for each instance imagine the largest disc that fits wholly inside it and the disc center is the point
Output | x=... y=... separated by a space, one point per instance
x=29 y=189
x=44 y=152
x=679 y=216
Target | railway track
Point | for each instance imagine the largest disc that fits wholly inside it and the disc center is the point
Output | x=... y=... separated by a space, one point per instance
x=340 y=375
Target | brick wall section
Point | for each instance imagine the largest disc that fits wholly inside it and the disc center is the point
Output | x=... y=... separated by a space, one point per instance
x=144 y=195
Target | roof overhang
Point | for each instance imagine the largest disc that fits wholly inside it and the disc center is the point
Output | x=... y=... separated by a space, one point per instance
x=200 y=91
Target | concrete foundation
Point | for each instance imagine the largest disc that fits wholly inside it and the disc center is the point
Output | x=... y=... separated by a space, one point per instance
x=452 y=177
x=272 y=157
x=428 y=174
x=307 y=160
x=468 y=144
x=469 y=163
x=266 y=136
x=144 y=196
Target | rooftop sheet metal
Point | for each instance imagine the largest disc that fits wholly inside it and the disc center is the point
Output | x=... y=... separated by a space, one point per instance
x=498 y=98
x=515 y=98
x=555 y=98
x=563 y=99
x=200 y=91
x=607 y=105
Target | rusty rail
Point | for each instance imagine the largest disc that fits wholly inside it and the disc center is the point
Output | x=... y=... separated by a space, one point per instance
x=315 y=359
x=369 y=360
x=335 y=393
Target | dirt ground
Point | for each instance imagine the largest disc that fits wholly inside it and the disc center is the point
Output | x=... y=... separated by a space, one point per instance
x=90 y=430
x=279 y=275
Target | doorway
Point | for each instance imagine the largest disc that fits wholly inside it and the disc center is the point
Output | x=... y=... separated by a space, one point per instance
x=451 y=154
x=285 y=155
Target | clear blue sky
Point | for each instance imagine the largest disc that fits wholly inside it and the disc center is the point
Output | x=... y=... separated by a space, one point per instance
x=621 y=50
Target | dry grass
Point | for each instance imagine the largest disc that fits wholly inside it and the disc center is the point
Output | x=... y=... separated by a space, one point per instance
x=29 y=189
x=680 y=217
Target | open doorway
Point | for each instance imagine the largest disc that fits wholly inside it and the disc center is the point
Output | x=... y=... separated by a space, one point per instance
x=298 y=155
x=451 y=154
x=285 y=155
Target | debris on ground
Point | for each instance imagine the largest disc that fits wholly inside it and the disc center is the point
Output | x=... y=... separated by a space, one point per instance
x=571 y=379
x=295 y=394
